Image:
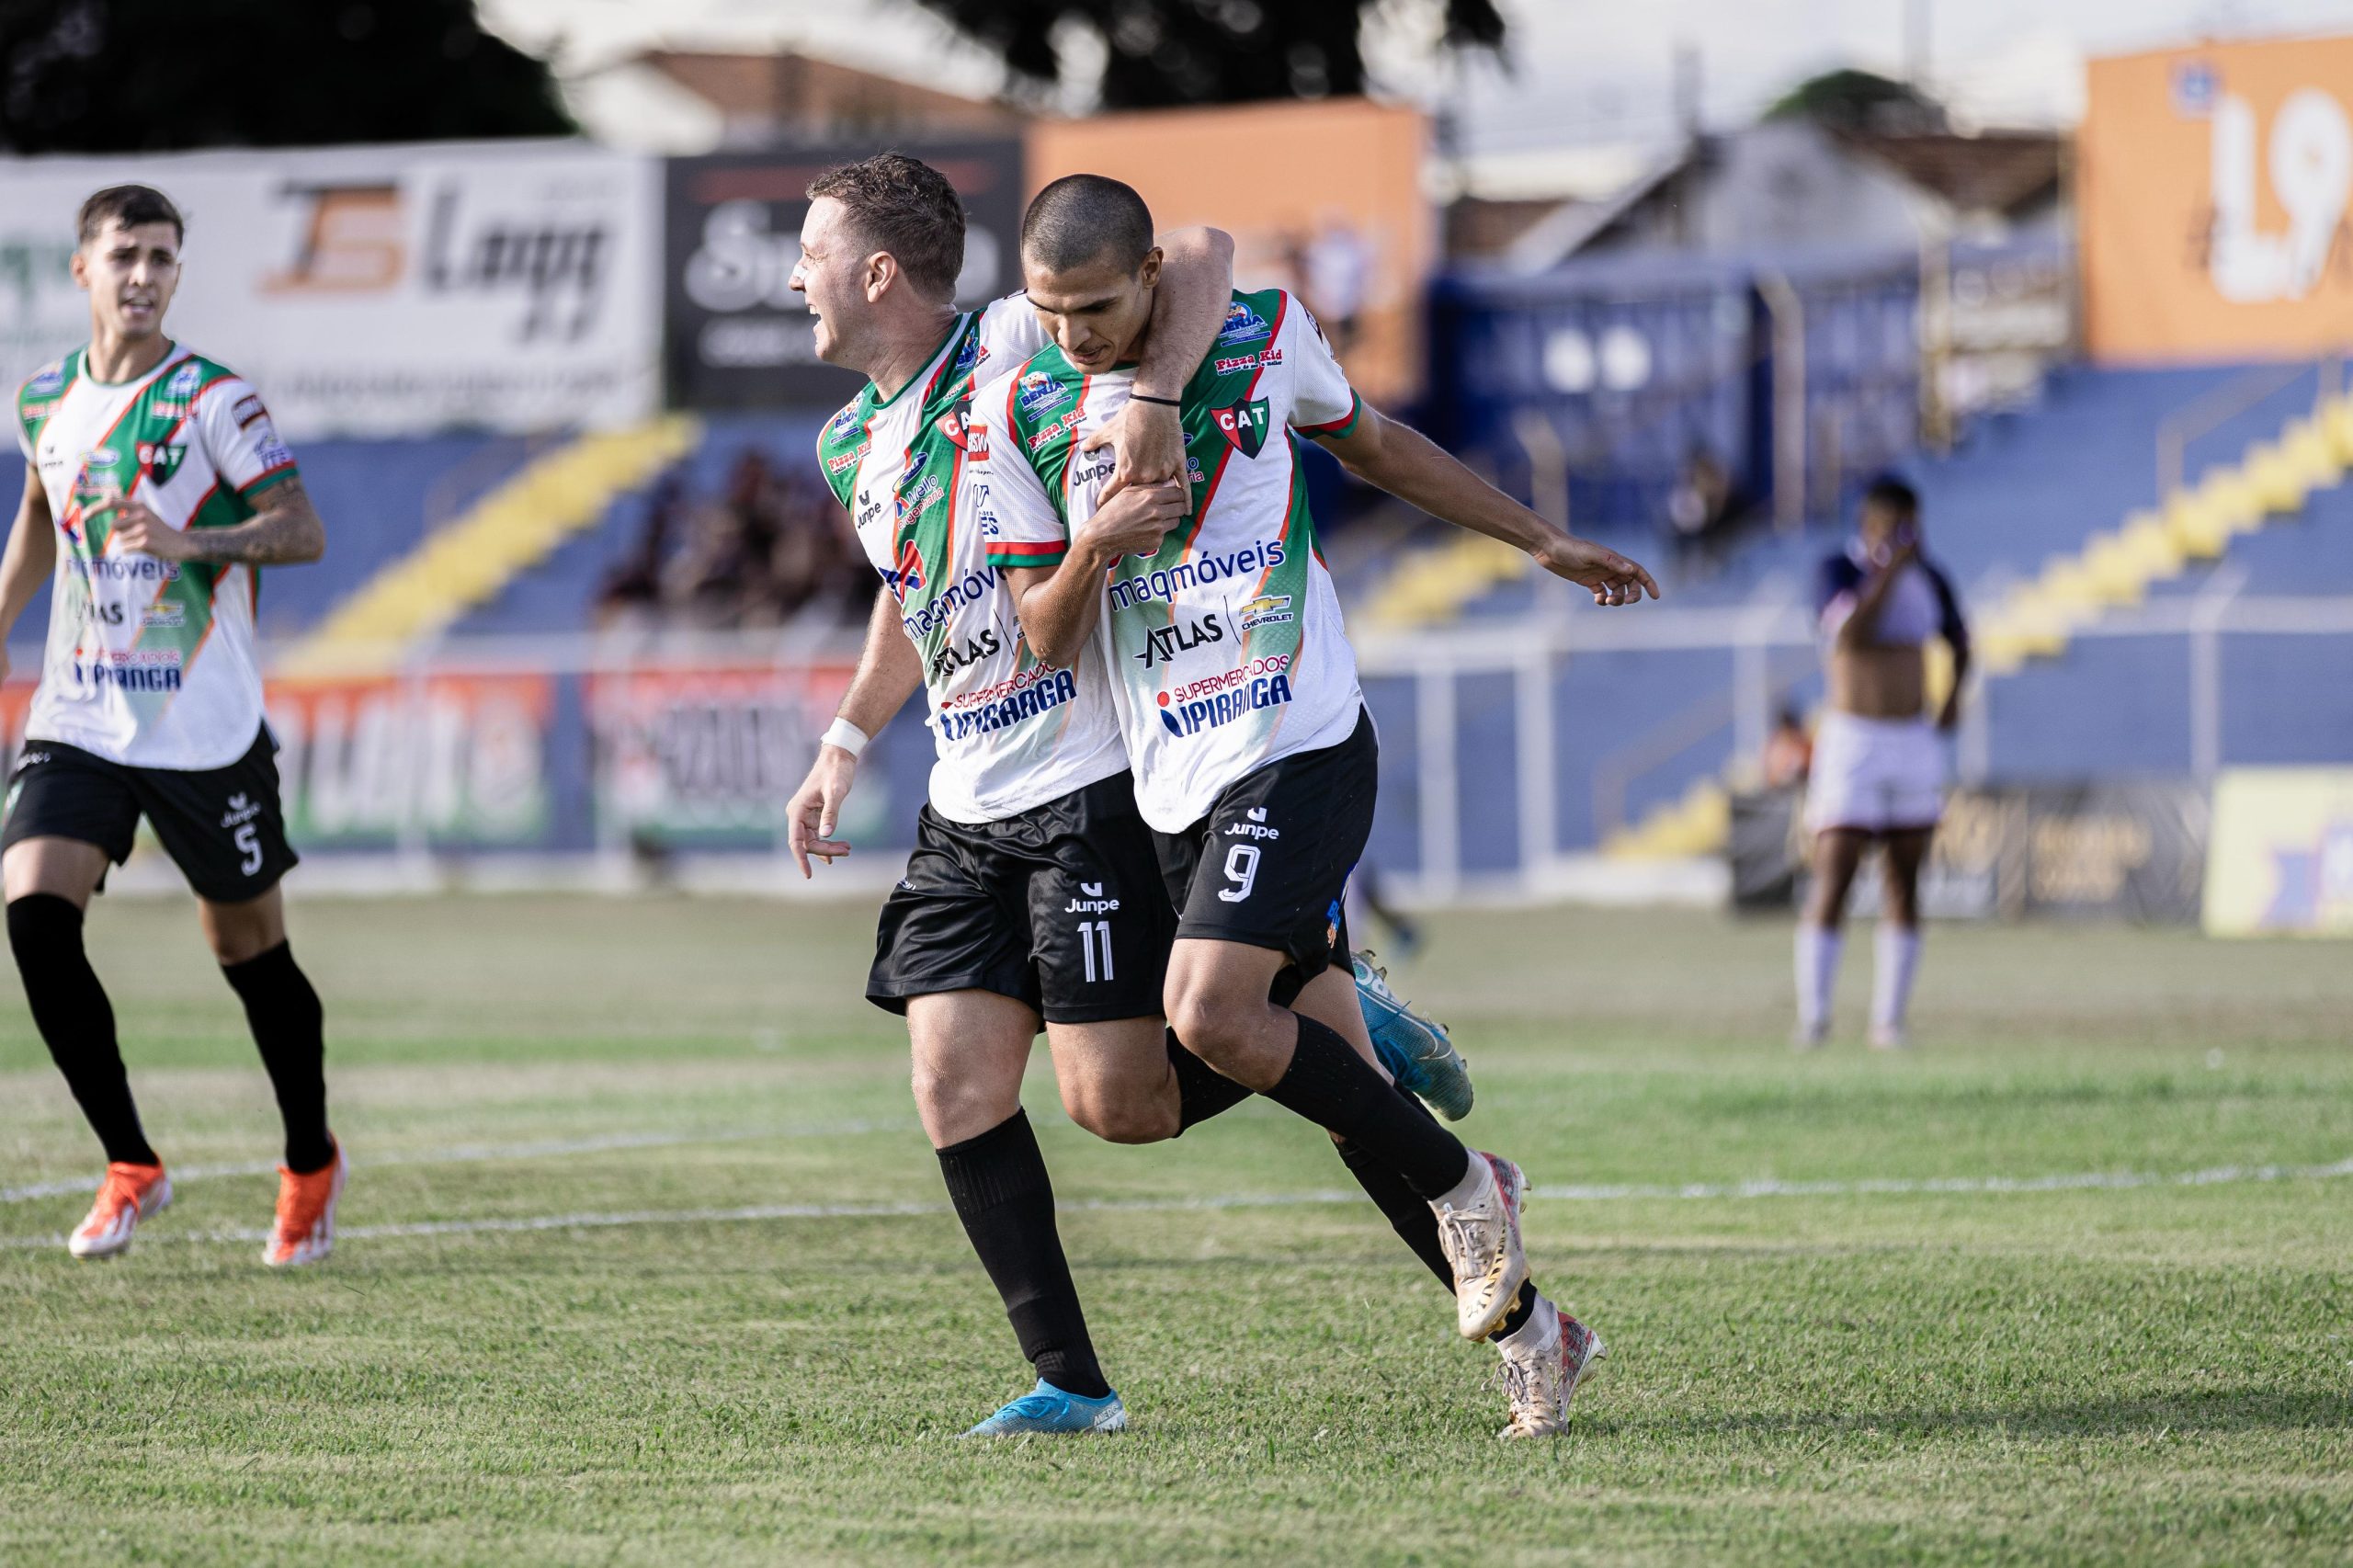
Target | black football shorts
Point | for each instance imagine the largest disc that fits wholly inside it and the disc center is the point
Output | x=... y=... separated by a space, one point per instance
x=222 y=826
x=1060 y=907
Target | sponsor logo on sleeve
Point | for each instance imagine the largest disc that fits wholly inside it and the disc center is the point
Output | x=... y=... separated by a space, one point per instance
x=1243 y=325
x=248 y=409
x=1039 y=393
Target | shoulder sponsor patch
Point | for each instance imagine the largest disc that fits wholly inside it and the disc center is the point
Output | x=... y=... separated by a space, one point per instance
x=248 y=409
x=48 y=382
x=1243 y=325
x=184 y=381
x=845 y=424
x=1041 y=392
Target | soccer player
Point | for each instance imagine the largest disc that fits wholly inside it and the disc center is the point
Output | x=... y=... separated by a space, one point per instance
x=1878 y=774
x=157 y=486
x=1254 y=759
x=1032 y=893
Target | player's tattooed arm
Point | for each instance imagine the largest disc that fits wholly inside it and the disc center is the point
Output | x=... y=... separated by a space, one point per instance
x=889 y=671
x=285 y=532
x=31 y=557
x=1060 y=605
x=1188 y=310
x=1414 y=469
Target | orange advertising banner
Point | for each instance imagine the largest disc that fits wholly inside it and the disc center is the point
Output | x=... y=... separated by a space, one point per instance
x=1322 y=199
x=2215 y=191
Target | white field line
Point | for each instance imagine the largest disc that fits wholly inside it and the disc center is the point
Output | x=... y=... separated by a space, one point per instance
x=472 y=1154
x=2214 y=1176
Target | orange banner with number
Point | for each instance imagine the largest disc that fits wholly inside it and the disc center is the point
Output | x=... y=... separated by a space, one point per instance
x=2216 y=199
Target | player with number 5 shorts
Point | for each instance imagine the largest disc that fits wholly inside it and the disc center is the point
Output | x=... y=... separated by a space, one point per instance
x=157 y=488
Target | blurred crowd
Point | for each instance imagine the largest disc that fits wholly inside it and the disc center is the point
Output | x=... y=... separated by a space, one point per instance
x=773 y=547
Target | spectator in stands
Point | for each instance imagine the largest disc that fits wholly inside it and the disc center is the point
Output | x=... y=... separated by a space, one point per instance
x=773 y=547
x=1789 y=752
x=632 y=588
x=1877 y=772
x=1702 y=509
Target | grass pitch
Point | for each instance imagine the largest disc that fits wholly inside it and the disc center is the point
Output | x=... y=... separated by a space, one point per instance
x=1889 y=1363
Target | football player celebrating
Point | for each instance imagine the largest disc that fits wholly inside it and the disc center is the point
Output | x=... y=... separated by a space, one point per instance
x=1254 y=760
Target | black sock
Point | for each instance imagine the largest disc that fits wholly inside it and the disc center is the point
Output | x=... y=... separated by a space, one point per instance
x=1416 y=1221
x=1339 y=1091
x=289 y=1028
x=1202 y=1091
x=999 y=1186
x=75 y=1020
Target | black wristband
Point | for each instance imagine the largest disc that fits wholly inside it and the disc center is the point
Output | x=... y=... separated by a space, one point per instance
x=1163 y=401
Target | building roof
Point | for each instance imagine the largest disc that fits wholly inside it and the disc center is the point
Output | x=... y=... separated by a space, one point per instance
x=785 y=93
x=1997 y=172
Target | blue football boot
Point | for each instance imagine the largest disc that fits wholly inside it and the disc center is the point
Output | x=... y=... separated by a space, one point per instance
x=1414 y=1051
x=1048 y=1409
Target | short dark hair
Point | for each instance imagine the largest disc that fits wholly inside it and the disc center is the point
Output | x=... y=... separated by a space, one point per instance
x=130 y=205
x=906 y=207
x=1891 y=492
x=1085 y=218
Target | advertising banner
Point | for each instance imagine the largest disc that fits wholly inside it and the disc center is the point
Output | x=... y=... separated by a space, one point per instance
x=379 y=290
x=736 y=336
x=455 y=761
x=708 y=757
x=2127 y=850
x=1322 y=199
x=2215 y=187
x=2283 y=856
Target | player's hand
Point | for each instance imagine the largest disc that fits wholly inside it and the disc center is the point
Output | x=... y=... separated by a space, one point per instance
x=817 y=808
x=1612 y=578
x=1134 y=521
x=1148 y=442
x=137 y=529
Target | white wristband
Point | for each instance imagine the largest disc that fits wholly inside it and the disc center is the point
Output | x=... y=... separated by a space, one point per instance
x=843 y=733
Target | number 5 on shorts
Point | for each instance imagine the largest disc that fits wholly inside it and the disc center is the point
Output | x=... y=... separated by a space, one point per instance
x=1242 y=869
x=248 y=839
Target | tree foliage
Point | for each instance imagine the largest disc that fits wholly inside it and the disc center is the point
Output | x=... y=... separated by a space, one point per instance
x=1166 y=53
x=1860 y=100
x=147 y=75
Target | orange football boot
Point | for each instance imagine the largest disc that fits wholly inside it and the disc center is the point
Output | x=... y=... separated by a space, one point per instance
x=128 y=1194
x=304 y=1232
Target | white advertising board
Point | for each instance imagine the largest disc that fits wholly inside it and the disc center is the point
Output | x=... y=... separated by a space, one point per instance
x=379 y=290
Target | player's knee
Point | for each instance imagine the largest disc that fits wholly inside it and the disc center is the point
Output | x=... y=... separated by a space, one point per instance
x=1120 y=1117
x=1208 y=1023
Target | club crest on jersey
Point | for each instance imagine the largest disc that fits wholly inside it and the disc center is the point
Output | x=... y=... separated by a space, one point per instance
x=956 y=424
x=159 y=461
x=1243 y=426
x=1243 y=325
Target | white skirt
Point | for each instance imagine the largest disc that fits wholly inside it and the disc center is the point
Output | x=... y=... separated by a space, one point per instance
x=1877 y=775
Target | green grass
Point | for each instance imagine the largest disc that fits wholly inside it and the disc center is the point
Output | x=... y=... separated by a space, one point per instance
x=2143 y=1375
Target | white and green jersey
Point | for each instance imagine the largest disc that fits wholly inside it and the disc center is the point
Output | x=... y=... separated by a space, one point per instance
x=1225 y=649
x=1011 y=732
x=151 y=663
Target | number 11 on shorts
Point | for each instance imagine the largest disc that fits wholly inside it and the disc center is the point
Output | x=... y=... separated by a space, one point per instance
x=1089 y=933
